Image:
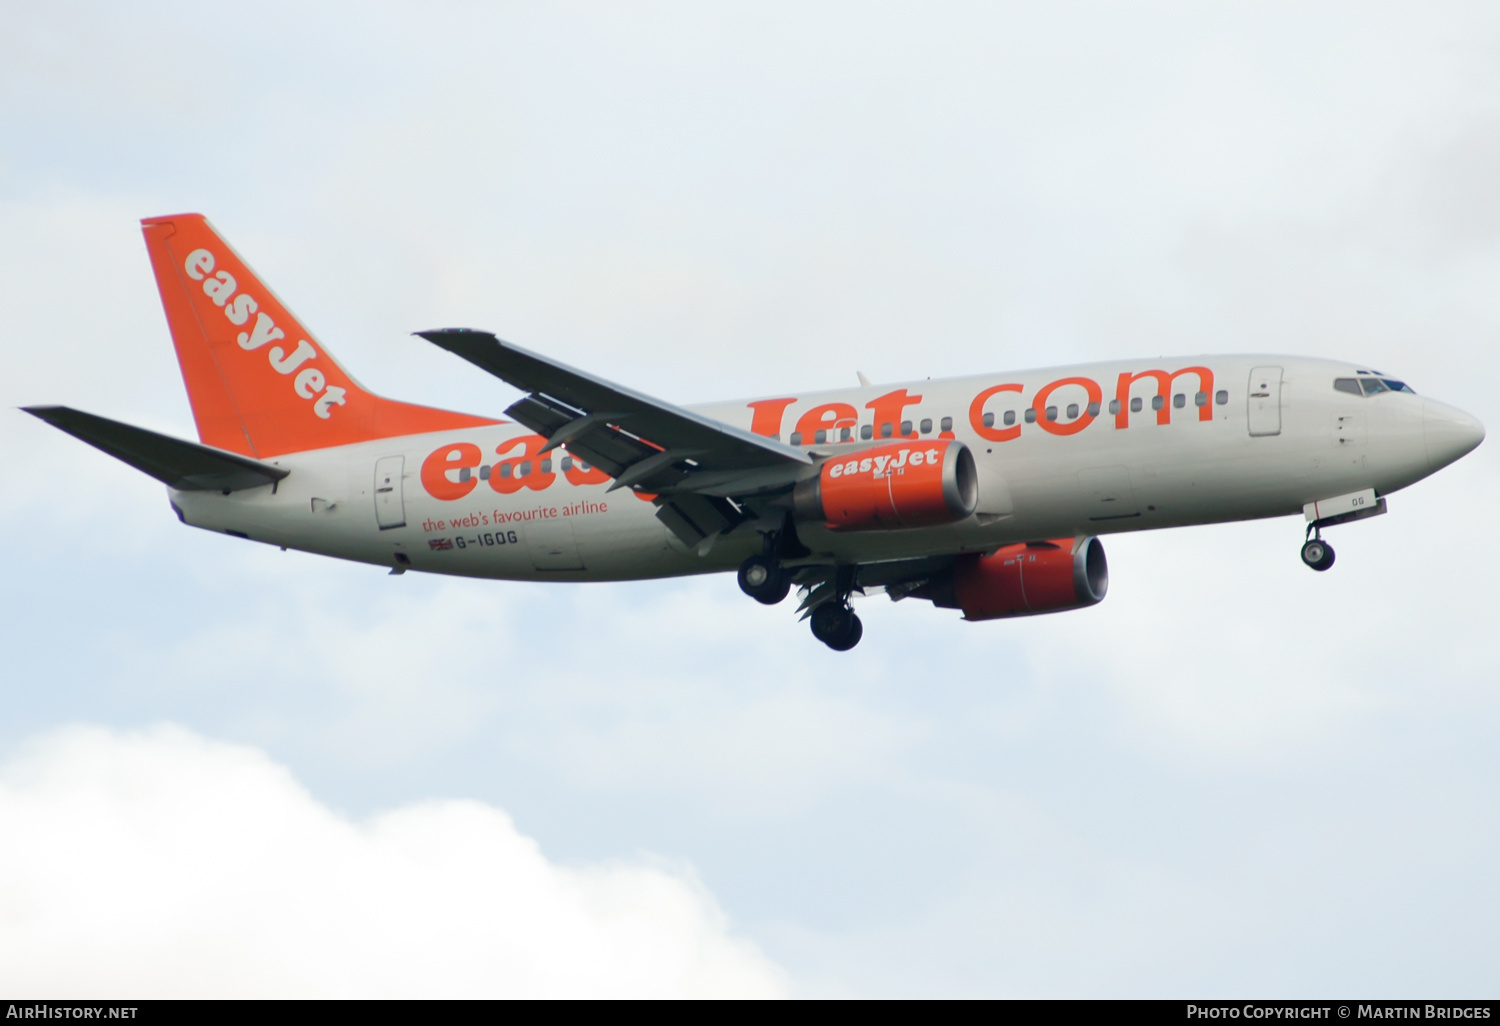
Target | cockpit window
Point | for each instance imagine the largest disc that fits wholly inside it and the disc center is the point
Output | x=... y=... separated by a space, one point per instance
x=1370 y=386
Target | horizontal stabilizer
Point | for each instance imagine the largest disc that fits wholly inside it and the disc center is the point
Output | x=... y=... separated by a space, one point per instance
x=186 y=466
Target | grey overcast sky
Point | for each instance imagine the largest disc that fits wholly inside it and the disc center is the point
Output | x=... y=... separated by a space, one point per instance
x=230 y=770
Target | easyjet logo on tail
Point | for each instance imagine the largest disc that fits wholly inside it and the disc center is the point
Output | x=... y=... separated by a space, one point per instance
x=308 y=382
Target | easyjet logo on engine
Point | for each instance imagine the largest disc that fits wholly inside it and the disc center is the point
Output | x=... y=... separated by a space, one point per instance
x=886 y=463
x=308 y=382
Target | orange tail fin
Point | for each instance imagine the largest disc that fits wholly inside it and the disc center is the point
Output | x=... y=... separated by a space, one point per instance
x=258 y=382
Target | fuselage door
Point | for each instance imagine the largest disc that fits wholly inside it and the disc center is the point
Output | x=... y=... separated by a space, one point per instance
x=1265 y=401
x=390 y=507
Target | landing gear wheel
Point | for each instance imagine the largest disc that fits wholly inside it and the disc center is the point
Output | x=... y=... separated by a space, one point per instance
x=1317 y=554
x=835 y=625
x=764 y=580
x=856 y=631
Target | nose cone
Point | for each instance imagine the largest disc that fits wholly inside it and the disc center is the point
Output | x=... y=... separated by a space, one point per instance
x=1448 y=433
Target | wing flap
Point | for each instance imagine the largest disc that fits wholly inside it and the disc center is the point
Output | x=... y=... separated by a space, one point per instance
x=186 y=466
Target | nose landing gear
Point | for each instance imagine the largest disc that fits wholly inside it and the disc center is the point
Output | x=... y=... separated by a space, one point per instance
x=1341 y=509
x=1316 y=552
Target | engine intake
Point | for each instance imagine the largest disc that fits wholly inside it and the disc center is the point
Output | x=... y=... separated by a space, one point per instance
x=1020 y=580
x=904 y=484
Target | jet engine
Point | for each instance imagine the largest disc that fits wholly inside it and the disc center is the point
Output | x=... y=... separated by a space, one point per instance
x=1020 y=580
x=914 y=483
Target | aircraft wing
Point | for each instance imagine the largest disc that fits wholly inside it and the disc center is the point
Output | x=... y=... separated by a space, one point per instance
x=693 y=462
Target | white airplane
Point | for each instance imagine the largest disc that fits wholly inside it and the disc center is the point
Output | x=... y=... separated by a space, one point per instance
x=984 y=494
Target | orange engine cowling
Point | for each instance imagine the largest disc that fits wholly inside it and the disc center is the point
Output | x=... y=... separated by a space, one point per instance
x=1019 y=580
x=912 y=483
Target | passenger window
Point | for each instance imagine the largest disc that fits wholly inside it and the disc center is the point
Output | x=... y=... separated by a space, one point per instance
x=463 y=474
x=905 y=428
x=1200 y=399
x=567 y=463
x=1135 y=405
x=1072 y=411
x=585 y=467
x=1179 y=401
x=946 y=424
x=1373 y=386
x=525 y=468
x=885 y=429
x=484 y=472
x=1052 y=413
x=506 y=469
x=989 y=420
x=1031 y=415
x=926 y=425
x=1221 y=397
x=1346 y=385
x=546 y=466
x=820 y=436
x=1010 y=417
x=1114 y=406
x=796 y=437
x=866 y=432
x=1157 y=402
x=845 y=434
x=1093 y=409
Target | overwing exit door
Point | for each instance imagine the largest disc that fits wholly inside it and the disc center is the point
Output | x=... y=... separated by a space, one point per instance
x=1265 y=401
x=390 y=506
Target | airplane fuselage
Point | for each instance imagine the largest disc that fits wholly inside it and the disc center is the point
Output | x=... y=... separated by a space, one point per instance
x=1092 y=449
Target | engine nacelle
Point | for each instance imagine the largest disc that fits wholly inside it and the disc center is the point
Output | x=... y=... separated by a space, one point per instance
x=1020 y=580
x=912 y=483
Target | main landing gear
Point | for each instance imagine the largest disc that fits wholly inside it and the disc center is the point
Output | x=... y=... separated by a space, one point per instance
x=832 y=618
x=836 y=625
x=833 y=622
x=764 y=580
x=1316 y=552
x=763 y=577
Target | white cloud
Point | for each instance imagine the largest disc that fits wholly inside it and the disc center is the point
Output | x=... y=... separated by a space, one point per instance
x=161 y=864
